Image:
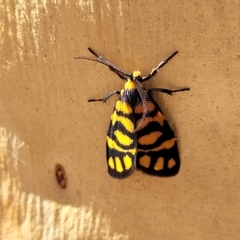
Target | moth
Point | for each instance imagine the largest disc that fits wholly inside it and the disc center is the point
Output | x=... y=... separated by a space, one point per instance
x=139 y=136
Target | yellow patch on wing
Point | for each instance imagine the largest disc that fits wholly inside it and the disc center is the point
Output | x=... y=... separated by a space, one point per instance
x=127 y=161
x=111 y=163
x=123 y=107
x=119 y=167
x=113 y=145
x=171 y=163
x=127 y=123
x=150 y=138
x=123 y=138
x=159 y=164
x=145 y=161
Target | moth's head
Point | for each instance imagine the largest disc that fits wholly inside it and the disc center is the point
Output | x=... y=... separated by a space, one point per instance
x=136 y=75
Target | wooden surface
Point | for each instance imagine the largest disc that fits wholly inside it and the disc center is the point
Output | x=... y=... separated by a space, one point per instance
x=46 y=119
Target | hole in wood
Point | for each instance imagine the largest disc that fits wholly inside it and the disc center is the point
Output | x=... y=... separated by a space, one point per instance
x=61 y=175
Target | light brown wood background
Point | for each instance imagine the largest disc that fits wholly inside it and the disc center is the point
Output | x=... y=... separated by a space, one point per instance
x=45 y=119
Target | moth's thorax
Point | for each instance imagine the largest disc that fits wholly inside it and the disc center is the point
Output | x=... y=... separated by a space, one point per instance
x=130 y=84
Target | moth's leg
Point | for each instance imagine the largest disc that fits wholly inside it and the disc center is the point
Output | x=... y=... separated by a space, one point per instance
x=168 y=91
x=104 y=99
x=160 y=65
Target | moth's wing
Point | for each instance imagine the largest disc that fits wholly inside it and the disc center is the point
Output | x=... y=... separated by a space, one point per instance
x=121 y=140
x=157 y=152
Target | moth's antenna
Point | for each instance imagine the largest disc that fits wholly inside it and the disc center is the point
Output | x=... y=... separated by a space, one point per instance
x=102 y=60
x=144 y=97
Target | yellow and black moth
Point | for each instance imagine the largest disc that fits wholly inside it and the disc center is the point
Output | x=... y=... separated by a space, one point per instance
x=139 y=136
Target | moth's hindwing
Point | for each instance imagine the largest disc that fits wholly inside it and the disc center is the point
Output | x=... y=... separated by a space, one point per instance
x=157 y=152
x=121 y=139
